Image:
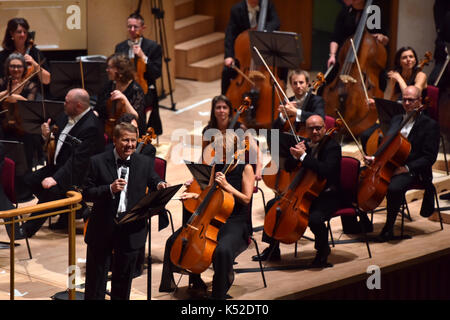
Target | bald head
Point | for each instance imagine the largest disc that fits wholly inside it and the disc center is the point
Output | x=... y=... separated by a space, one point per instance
x=315 y=127
x=76 y=102
x=411 y=98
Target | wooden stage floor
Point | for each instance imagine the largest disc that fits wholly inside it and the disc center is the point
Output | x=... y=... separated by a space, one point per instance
x=44 y=275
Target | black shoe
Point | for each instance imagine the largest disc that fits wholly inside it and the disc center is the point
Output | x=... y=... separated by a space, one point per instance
x=61 y=224
x=19 y=232
x=445 y=196
x=171 y=287
x=385 y=236
x=320 y=260
x=197 y=284
x=264 y=256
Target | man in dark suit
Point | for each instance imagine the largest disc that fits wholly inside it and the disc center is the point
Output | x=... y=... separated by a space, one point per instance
x=326 y=165
x=422 y=133
x=150 y=53
x=116 y=181
x=78 y=138
x=244 y=15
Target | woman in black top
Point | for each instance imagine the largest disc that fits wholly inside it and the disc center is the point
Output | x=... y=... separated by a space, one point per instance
x=17 y=39
x=122 y=88
x=233 y=235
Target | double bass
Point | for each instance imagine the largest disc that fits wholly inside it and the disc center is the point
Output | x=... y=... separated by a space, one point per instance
x=194 y=247
x=253 y=82
x=287 y=219
x=345 y=92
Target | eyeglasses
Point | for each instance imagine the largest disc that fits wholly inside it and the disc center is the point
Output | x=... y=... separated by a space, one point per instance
x=15 y=66
x=317 y=128
x=409 y=100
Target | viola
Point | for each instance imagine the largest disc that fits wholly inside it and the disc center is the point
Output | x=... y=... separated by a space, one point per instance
x=375 y=179
x=194 y=186
x=287 y=219
x=194 y=247
x=114 y=110
x=253 y=82
x=30 y=68
x=50 y=146
x=345 y=92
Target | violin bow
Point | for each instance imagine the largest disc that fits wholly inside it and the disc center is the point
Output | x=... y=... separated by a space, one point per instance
x=359 y=69
x=351 y=133
x=20 y=85
x=279 y=90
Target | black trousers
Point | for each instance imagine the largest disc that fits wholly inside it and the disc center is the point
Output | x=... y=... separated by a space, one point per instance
x=395 y=195
x=98 y=264
x=232 y=240
x=319 y=212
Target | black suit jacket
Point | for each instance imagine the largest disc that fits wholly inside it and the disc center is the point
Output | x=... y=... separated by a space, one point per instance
x=239 y=22
x=154 y=53
x=102 y=231
x=89 y=130
x=315 y=105
x=424 y=139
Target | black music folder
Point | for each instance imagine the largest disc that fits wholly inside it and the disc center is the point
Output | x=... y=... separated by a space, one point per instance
x=386 y=110
x=150 y=205
x=201 y=172
x=32 y=113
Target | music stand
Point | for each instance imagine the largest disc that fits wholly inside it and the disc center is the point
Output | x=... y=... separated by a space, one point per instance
x=152 y=204
x=279 y=49
x=386 y=110
x=66 y=75
x=33 y=115
x=201 y=172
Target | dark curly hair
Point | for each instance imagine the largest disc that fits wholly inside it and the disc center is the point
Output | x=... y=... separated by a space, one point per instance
x=124 y=66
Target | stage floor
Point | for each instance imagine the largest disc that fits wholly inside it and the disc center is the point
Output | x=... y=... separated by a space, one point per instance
x=45 y=275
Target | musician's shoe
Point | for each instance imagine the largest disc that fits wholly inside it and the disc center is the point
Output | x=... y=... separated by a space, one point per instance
x=164 y=287
x=61 y=224
x=385 y=236
x=320 y=260
x=19 y=232
x=445 y=196
x=267 y=255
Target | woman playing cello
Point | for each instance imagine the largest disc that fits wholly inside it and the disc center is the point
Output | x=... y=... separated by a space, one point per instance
x=121 y=94
x=233 y=235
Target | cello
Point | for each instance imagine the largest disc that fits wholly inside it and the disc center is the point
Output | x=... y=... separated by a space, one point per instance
x=287 y=219
x=194 y=247
x=375 y=179
x=194 y=186
x=253 y=82
x=345 y=93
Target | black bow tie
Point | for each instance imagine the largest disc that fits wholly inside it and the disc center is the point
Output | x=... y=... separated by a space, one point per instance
x=123 y=163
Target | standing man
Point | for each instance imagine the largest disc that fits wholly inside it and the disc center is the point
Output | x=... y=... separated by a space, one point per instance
x=79 y=137
x=116 y=182
x=244 y=15
x=149 y=53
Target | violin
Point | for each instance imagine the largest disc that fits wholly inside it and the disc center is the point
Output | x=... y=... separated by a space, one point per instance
x=375 y=179
x=11 y=120
x=194 y=186
x=345 y=92
x=287 y=219
x=114 y=110
x=146 y=139
x=30 y=68
x=194 y=247
x=252 y=81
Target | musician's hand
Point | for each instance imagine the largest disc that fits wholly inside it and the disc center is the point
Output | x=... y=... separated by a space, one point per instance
x=48 y=182
x=298 y=150
x=221 y=180
x=118 y=95
x=188 y=183
x=189 y=195
x=162 y=185
x=394 y=75
x=30 y=61
x=118 y=185
x=45 y=129
x=138 y=51
x=331 y=60
x=381 y=38
x=400 y=170
x=228 y=62
x=368 y=160
x=371 y=103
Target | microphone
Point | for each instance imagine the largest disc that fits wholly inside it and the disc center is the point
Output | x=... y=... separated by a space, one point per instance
x=73 y=139
x=123 y=173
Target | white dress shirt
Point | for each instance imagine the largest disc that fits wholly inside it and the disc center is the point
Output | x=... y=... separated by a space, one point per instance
x=123 y=194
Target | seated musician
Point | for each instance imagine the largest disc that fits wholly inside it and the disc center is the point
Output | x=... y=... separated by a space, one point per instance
x=17 y=40
x=327 y=165
x=113 y=194
x=422 y=133
x=345 y=26
x=122 y=89
x=149 y=52
x=233 y=235
x=243 y=16
x=299 y=81
x=78 y=138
